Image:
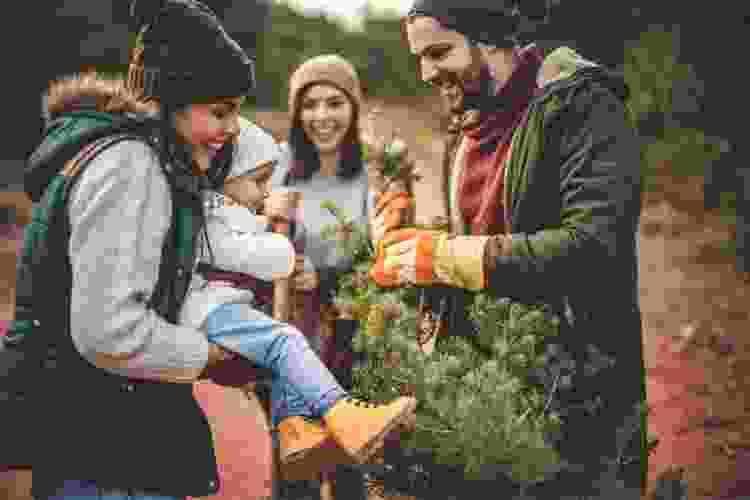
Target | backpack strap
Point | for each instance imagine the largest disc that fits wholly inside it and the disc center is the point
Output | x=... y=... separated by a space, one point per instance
x=174 y=274
x=75 y=165
x=58 y=226
x=177 y=262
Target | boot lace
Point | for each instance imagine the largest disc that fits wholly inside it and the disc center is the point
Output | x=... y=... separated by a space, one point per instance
x=362 y=403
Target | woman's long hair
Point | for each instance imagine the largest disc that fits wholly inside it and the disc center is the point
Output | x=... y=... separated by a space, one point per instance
x=306 y=160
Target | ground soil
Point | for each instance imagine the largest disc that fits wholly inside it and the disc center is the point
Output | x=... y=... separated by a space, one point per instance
x=695 y=320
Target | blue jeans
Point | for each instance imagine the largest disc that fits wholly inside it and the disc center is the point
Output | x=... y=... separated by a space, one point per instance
x=301 y=383
x=87 y=490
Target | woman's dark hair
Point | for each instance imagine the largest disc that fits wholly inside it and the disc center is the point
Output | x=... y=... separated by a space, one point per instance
x=306 y=160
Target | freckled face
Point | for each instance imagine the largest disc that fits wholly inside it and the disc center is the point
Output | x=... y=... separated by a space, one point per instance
x=326 y=114
x=208 y=127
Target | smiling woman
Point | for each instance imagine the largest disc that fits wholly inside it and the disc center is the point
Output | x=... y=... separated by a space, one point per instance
x=323 y=161
x=112 y=177
x=209 y=127
x=326 y=116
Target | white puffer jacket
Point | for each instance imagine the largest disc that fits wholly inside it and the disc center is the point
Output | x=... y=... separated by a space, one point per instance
x=238 y=241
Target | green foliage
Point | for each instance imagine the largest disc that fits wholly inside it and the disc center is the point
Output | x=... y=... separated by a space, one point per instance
x=358 y=243
x=653 y=71
x=685 y=151
x=476 y=404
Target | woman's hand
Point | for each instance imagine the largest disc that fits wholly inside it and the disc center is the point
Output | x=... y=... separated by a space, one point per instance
x=304 y=281
x=217 y=356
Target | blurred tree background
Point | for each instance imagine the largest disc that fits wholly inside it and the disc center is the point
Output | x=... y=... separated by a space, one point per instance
x=679 y=58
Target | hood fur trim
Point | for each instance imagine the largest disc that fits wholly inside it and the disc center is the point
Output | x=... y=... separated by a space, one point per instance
x=89 y=91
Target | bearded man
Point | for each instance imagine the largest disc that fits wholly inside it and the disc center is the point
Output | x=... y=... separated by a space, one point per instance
x=544 y=201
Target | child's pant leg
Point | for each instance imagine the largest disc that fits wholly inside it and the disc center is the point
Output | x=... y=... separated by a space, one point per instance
x=279 y=347
x=286 y=402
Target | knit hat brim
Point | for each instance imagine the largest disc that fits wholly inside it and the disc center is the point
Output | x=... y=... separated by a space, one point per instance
x=493 y=23
x=184 y=55
x=183 y=88
x=325 y=69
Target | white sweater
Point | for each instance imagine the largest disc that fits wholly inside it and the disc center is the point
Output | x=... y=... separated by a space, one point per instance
x=237 y=242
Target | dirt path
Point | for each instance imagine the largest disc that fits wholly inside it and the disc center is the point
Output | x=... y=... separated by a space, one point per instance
x=697 y=351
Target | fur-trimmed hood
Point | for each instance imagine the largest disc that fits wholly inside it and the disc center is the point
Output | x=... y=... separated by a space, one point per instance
x=91 y=92
x=78 y=110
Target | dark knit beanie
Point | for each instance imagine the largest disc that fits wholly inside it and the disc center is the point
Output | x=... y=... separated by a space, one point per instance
x=493 y=22
x=183 y=54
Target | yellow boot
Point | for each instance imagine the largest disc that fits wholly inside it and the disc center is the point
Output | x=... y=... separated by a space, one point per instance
x=360 y=427
x=306 y=449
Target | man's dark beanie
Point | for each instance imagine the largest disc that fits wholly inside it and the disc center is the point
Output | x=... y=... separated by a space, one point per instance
x=494 y=22
x=184 y=55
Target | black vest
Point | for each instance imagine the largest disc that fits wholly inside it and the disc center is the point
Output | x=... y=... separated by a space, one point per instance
x=88 y=424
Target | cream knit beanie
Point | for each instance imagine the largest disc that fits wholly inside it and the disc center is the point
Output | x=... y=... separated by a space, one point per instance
x=327 y=68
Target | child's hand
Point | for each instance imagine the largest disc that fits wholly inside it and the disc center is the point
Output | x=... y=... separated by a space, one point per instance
x=281 y=204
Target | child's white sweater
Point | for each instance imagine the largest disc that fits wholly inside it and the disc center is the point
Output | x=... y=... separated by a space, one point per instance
x=236 y=239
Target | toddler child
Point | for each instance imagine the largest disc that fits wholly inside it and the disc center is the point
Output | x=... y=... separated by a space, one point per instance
x=319 y=425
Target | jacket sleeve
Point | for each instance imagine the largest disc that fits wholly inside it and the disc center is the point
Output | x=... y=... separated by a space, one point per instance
x=598 y=153
x=120 y=211
x=262 y=255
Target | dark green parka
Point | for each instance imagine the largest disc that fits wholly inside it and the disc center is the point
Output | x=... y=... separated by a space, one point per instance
x=573 y=193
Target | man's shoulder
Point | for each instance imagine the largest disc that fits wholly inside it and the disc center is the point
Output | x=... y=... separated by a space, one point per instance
x=567 y=78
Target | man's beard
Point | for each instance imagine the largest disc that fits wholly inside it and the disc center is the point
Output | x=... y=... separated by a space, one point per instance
x=462 y=96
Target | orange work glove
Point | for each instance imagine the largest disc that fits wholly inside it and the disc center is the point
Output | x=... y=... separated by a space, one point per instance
x=391 y=212
x=424 y=257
